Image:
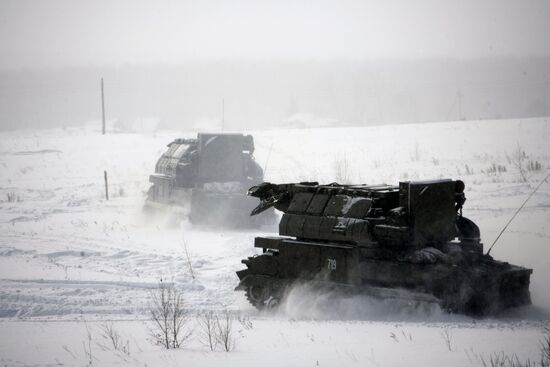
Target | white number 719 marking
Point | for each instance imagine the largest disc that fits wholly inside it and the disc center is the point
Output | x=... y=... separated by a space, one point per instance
x=331 y=264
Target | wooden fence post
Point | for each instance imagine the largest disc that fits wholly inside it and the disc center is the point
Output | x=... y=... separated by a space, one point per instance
x=106 y=185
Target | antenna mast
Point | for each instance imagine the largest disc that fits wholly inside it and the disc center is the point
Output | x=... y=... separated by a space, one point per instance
x=516 y=213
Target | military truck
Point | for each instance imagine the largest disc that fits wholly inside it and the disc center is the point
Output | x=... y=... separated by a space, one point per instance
x=205 y=179
x=408 y=241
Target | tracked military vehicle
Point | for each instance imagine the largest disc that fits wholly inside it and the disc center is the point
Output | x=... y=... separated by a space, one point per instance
x=408 y=241
x=206 y=180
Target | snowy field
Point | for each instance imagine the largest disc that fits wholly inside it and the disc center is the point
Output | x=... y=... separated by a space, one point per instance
x=72 y=262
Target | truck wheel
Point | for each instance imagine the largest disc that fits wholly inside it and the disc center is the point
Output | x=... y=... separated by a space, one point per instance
x=272 y=303
x=256 y=295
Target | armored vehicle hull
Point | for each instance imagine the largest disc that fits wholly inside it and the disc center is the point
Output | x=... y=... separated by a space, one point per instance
x=408 y=241
x=205 y=180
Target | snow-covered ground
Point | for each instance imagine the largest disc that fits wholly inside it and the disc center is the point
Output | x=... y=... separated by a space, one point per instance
x=70 y=261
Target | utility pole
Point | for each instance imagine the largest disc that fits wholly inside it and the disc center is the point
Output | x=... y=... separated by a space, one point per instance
x=223 y=113
x=102 y=109
x=459 y=96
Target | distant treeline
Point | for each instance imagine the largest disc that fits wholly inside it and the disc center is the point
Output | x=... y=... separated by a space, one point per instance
x=271 y=93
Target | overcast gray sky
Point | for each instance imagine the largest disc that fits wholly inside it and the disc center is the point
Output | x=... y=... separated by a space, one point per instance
x=46 y=33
